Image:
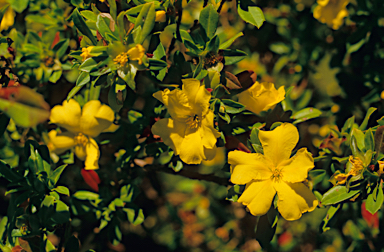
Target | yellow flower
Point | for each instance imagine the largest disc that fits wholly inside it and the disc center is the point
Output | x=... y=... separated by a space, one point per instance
x=261 y=97
x=82 y=126
x=275 y=171
x=86 y=52
x=161 y=16
x=8 y=18
x=331 y=12
x=189 y=131
x=136 y=53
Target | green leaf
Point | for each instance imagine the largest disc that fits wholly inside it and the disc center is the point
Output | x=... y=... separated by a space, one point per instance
x=317 y=176
x=61 y=47
x=232 y=107
x=72 y=245
x=229 y=42
x=62 y=189
x=54 y=177
x=55 y=76
x=330 y=213
x=146 y=20
x=88 y=65
x=112 y=8
x=135 y=216
x=208 y=20
x=73 y=92
x=103 y=26
x=364 y=124
x=83 y=79
x=128 y=76
x=305 y=114
x=265 y=228
x=18 y=5
x=82 y=26
x=369 y=140
x=233 y=56
x=193 y=49
x=156 y=65
x=337 y=194
x=8 y=173
x=373 y=205
x=89 y=15
x=360 y=138
x=250 y=13
x=86 y=195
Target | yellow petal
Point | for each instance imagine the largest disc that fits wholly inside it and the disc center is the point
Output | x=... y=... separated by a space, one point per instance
x=171 y=132
x=80 y=152
x=160 y=16
x=294 y=199
x=208 y=133
x=8 y=19
x=198 y=96
x=93 y=154
x=191 y=149
x=210 y=154
x=261 y=97
x=296 y=168
x=176 y=102
x=279 y=143
x=59 y=143
x=136 y=53
x=248 y=166
x=67 y=115
x=258 y=196
x=95 y=118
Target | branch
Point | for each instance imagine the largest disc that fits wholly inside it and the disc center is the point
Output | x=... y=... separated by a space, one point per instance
x=191 y=175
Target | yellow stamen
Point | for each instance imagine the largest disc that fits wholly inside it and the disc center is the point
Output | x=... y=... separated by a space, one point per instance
x=81 y=139
x=193 y=121
x=276 y=174
x=121 y=59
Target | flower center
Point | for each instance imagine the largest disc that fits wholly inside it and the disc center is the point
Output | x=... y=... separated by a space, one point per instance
x=276 y=175
x=81 y=139
x=193 y=121
x=121 y=59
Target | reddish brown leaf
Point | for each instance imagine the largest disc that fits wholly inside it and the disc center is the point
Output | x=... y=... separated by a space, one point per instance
x=91 y=178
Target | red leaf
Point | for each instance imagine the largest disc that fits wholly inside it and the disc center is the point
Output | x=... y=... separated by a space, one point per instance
x=91 y=178
x=56 y=39
x=371 y=219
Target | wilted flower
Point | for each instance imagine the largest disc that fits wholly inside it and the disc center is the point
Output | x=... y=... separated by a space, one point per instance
x=357 y=167
x=275 y=172
x=189 y=131
x=82 y=126
x=86 y=52
x=161 y=16
x=331 y=12
x=261 y=97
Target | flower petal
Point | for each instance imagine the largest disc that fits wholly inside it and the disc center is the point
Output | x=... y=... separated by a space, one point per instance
x=95 y=118
x=59 y=143
x=198 y=96
x=258 y=196
x=248 y=166
x=294 y=199
x=171 y=132
x=93 y=154
x=67 y=115
x=279 y=143
x=80 y=152
x=191 y=149
x=296 y=168
x=176 y=102
x=208 y=133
